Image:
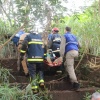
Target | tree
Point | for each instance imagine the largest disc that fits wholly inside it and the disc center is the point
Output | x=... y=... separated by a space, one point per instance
x=33 y=11
x=29 y=12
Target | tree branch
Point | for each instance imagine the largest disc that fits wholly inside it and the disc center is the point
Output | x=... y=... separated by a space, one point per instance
x=6 y=14
x=1 y=46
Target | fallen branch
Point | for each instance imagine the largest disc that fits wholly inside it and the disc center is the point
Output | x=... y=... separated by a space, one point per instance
x=80 y=59
x=92 y=65
x=90 y=83
x=1 y=46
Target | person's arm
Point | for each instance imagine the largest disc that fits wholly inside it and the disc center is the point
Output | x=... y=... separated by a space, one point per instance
x=62 y=46
x=50 y=43
x=24 y=46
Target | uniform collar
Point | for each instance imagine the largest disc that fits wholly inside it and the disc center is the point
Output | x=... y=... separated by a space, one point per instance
x=34 y=32
x=68 y=32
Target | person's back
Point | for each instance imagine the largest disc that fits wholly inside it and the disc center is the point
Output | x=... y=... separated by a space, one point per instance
x=19 y=33
x=69 y=49
x=49 y=36
x=56 y=38
x=16 y=38
x=54 y=42
x=35 y=50
x=32 y=45
x=71 y=42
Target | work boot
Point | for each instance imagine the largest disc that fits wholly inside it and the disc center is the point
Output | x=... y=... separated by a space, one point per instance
x=34 y=86
x=35 y=89
x=41 y=83
x=75 y=86
x=27 y=75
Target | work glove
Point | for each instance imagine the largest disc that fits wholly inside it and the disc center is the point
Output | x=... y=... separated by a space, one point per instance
x=61 y=59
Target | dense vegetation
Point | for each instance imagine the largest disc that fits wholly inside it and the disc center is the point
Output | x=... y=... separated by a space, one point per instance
x=86 y=25
x=49 y=14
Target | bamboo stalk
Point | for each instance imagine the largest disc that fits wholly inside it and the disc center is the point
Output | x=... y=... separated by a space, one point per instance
x=80 y=60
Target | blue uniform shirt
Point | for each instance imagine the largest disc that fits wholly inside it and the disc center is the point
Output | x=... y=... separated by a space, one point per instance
x=49 y=36
x=15 y=39
x=71 y=42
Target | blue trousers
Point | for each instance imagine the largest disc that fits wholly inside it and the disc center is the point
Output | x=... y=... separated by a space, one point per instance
x=35 y=69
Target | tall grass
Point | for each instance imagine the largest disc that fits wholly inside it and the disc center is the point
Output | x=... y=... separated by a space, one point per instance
x=4 y=75
x=88 y=95
x=9 y=92
x=89 y=35
x=86 y=26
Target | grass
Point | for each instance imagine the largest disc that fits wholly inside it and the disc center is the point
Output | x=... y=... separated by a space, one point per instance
x=88 y=95
x=8 y=92
x=4 y=75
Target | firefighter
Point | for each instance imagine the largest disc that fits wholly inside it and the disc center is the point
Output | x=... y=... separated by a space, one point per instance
x=54 y=41
x=54 y=45
x=23 y=62
x=32 y=45
x=15 y=40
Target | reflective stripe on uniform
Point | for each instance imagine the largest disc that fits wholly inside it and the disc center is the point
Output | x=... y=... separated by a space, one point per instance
x=34 y=59
x=22 y=51
x=34 y=87
x=71 y=42
x=35 y=42
x=45 y=54
x=36 y=39
x=57 y=39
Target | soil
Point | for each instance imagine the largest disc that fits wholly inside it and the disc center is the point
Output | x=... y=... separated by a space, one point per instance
x=88 y=77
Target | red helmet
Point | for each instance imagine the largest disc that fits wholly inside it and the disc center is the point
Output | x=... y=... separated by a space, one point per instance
x=55 y=29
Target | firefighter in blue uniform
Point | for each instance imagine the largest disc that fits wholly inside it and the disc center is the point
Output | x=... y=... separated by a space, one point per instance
x=54 y=41
x=54 y=45
x=32 y=45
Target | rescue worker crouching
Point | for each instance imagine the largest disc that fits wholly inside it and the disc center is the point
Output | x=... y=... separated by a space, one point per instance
x=32 y=46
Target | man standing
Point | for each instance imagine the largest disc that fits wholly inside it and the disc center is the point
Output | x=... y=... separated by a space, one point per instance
x=32 y=45
x=69 y=47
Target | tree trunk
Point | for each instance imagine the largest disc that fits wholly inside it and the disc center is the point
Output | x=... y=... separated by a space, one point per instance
x=48 y=25
x=1 y=46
